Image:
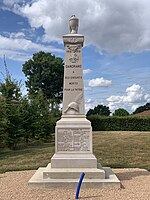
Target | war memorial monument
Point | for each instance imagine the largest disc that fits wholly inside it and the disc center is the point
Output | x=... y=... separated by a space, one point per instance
x=73 y=132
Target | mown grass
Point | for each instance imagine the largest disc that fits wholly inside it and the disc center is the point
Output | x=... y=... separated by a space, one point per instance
x=122 y=149
x=114 y=149
x=31 y=157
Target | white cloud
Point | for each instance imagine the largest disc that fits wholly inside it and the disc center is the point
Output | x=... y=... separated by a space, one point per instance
x=135 y=97
x=17 y=35
x=99 y=82
x=13 y=35
x=16 y=2
x=116 y=26
x=87 y=71
x=16 y=47
x=89 y=103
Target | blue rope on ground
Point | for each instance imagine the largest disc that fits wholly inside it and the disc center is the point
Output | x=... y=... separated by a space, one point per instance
x=79 y=185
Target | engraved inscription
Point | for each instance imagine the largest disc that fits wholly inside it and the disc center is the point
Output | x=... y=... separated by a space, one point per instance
x=73 y=139
x=73 y=77
x=73 y=66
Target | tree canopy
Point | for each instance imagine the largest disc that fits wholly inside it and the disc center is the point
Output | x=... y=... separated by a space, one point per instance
x=10 y=88
x=44 y=72
x=23 y=120
x=121 y=112
x=99 y=110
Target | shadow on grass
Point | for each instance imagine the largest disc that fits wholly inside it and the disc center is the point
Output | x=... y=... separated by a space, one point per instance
x=116 y=165
x=26 y=150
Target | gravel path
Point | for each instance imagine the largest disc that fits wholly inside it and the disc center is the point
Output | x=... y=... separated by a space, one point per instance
x=135 y=186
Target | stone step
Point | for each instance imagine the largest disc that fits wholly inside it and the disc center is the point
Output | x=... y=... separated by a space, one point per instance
x=73 y=173
x=73 y=160
x=37 y=181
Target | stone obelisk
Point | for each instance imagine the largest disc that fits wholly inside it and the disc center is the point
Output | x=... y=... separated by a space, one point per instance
x=73 y=144
x=73 y=132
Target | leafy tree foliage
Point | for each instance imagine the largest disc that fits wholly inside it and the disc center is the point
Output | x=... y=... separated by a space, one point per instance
x=121 y=112
x=10 y=88
x=23 y=120
x=99 y=110
x=14 y=125
x=45 y=72
x=40 y=115
x=142 y=108
x=3 y=122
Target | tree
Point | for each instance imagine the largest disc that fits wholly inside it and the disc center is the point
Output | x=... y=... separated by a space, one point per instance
x=10 y=88
x=41 y=118
x=10 y=120
x=15 y=132
x=142 y=108
x=121 y=112
x=3 y=122
x=23 y=120
x=36 y=118
x=45 y=72
x=99 y=110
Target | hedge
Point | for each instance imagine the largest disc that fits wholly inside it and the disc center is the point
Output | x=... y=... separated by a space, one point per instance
x=112 y=123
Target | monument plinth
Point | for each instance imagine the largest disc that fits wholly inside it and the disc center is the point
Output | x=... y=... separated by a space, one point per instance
x=73 y=132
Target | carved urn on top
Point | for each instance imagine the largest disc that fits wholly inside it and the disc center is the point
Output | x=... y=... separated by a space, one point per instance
x=73 y=24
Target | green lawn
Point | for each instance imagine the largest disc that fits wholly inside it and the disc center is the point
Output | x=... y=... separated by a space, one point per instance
x=122 y=149
x=114 y=149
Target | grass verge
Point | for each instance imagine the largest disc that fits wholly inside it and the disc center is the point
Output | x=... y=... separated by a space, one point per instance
x=114 y=149
x=122 y=149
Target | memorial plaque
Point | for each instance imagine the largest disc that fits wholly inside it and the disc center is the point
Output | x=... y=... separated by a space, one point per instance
x=73 y=139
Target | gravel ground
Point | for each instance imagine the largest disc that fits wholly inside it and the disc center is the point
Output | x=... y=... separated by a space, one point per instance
x=135 y=186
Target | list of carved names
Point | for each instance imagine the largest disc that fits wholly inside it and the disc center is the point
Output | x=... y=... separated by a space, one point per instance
x=73 y=139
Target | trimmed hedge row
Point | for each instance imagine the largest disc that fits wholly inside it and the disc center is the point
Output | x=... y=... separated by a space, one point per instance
x=112 y=123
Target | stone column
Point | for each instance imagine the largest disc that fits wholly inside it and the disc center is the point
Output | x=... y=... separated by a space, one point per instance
x=73 y=134
x=73 y=90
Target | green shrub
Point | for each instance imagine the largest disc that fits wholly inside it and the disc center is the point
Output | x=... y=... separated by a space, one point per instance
x=112 y=123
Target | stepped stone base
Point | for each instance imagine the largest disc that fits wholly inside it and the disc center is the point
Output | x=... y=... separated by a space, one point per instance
x=68 y=178
x=73 y=160
x=73 y=155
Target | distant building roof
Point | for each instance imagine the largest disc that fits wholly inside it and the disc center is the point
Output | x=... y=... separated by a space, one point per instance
x=144 y=113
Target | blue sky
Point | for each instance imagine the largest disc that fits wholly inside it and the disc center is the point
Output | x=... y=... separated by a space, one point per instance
x=116 y=53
